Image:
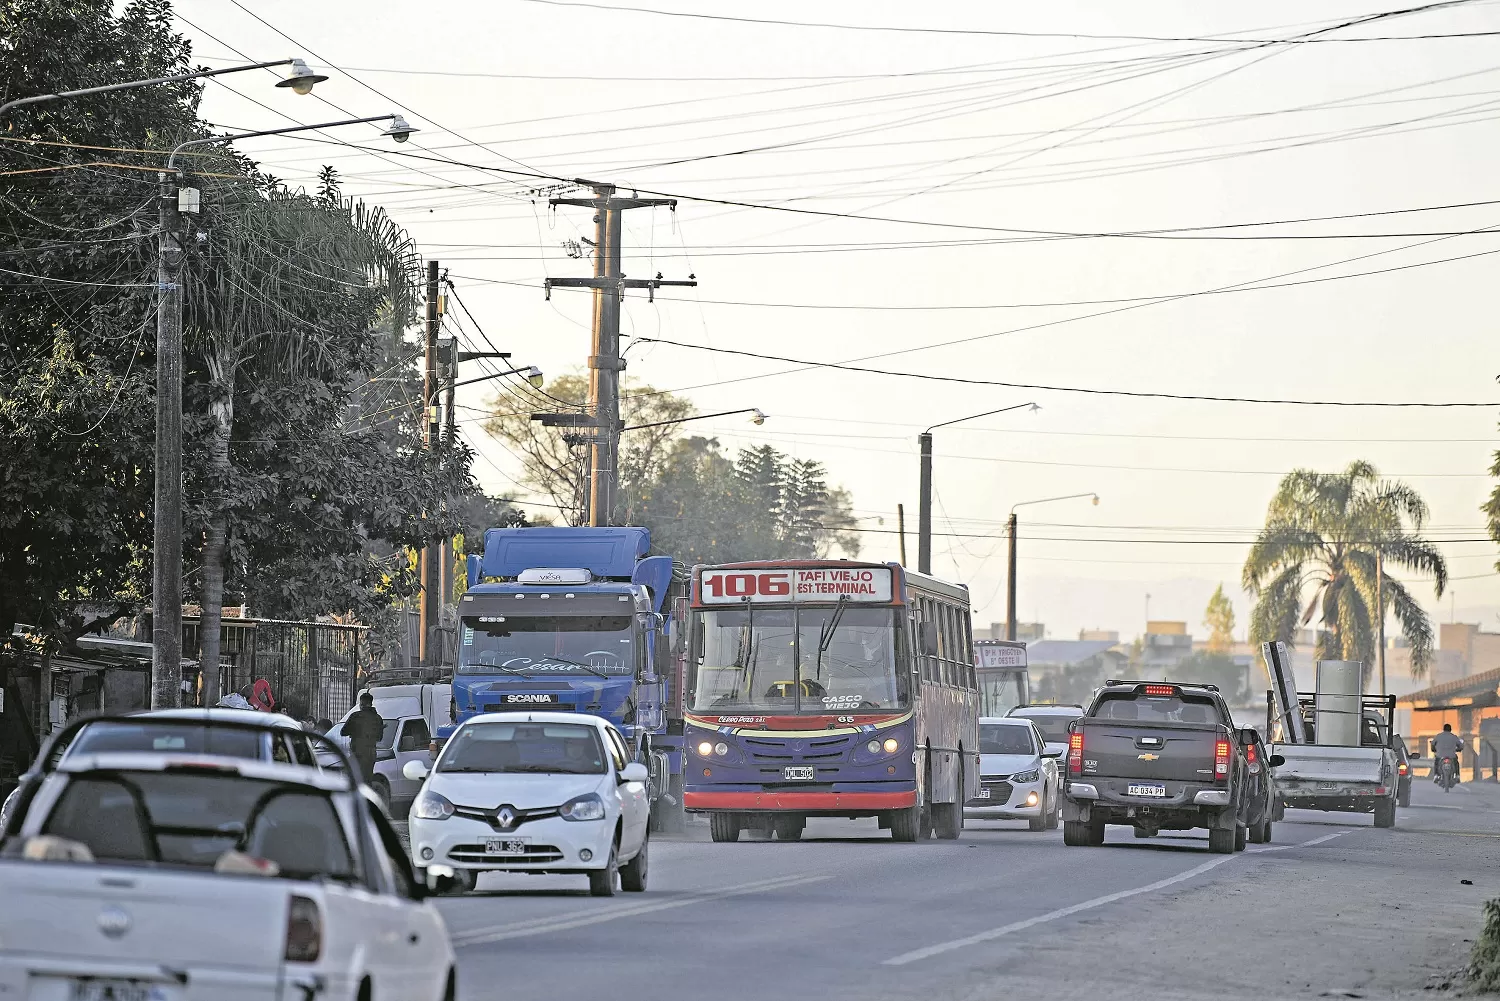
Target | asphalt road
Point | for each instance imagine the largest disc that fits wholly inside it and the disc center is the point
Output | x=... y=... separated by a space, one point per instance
x=1333 y=907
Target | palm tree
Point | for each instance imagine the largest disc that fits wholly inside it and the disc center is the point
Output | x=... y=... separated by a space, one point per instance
x=1320 y=554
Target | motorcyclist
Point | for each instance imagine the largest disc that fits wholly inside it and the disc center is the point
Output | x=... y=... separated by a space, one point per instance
x=1446 y=745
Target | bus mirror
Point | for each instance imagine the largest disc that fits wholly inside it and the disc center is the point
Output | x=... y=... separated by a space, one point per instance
x=654 y=621
x=927 y=639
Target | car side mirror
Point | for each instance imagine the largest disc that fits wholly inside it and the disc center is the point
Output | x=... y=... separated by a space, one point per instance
x=416 y=771
x=1052 y=754
x=1276 y=761
x=384 y=753
x=634 y=772
x=927 y=639
x=1414 y=753
x=441 y=879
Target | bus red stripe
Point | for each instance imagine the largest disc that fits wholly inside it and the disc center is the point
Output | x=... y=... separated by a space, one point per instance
x=792 y=800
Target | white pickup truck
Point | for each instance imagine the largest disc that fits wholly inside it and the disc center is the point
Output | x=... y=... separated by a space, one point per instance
x=177 y=876
x=1346 y=779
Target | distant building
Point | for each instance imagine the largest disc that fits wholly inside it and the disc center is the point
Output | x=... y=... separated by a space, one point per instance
x=1026 y=632
x=1098 y=636
x=1165 y=644
x=1070 y=670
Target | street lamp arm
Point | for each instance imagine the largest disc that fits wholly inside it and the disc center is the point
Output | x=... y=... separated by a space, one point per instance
x=134 y=84
x=1048 y=500
x=987 y=413
x=699 y=417
x=529 y=370
x=171 y=160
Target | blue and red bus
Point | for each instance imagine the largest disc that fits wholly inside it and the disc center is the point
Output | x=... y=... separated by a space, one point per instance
x=829 y=688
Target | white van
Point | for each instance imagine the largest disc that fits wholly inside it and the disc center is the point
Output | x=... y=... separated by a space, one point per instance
x=412 y=714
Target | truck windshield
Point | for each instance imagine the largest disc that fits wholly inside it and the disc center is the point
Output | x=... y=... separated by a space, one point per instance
x=798 y=660
x=1155 y=708
x=547 y=644
x=195 y=820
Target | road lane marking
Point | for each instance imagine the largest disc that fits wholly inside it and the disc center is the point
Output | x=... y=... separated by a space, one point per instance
x=524 y=929
x=916 y=955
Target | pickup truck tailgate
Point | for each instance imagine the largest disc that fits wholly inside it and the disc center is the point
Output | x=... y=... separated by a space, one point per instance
x=175 y=920
x=1313 y=763
x=1168 y=753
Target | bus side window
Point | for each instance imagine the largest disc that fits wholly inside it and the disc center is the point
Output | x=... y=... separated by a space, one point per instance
x=966 y=645
x=950 y=647
x=929 y=661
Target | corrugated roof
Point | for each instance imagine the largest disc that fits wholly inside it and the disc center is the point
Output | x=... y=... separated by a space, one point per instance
x=1064 y=652
x=1475 y=684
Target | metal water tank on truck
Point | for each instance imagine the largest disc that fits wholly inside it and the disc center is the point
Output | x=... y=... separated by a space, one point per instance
x=582 y=620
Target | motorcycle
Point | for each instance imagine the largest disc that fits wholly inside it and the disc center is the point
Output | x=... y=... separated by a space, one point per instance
x=1447 y=773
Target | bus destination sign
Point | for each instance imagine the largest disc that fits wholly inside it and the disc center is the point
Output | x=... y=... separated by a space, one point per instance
x=810 y=584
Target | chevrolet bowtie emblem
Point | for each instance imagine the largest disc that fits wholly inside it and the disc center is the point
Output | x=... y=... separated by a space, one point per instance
x=1148 y=757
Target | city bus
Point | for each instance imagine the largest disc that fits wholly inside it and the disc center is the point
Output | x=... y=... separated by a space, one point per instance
x=829 y=688
x=1003 y=679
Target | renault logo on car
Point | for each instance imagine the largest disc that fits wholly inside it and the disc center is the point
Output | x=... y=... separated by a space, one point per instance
x=506 y=817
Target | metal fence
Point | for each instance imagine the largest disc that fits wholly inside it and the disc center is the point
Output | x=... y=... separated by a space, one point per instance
x=313 y=668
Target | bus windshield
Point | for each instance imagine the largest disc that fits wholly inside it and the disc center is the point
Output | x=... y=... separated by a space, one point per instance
x=798 y=660
x=528 y=645
x=1001 y=689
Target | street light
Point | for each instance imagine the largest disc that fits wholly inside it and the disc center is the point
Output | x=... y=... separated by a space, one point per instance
x=299 y=78
x=1010 y=575
x=531 y=373
x=758 y=416
x=924 y=498
x=166 y=551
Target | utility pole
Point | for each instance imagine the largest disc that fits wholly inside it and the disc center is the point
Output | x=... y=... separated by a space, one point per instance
x=166 y=545
x=431 y=586
x=1010 y=580
x=1380 y=611
x=901 y=528
x=605 y=365
x=924 y=504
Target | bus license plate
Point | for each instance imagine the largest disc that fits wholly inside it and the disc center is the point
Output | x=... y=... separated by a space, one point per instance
x=801 y=773
x=505 y=846
x=1143 y=789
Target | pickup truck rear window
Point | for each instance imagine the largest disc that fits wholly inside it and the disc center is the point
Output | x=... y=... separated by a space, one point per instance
x=179 y=819
x=1156 y=708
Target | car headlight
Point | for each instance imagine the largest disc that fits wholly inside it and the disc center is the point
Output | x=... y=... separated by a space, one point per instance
x=589 y=807
x=1029 y=775
x=431 y=806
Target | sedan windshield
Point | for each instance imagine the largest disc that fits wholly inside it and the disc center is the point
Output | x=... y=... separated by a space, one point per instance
x=554 y=748
x=999 y=738
x=194 y=820
x=1054 y=728
x=798 y=660
x=547 y=644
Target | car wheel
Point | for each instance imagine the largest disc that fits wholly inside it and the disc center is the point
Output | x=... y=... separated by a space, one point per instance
x=1220 y=841
x=724 y=826
x=1096 y=831
x=1039 y=822
x=602 y=882
x=1403 y=798
x=633 y=873
x=1385 y=813
x=383 y=790
x=1239 y=837
x=450 y=989
x=1075 y=834
x=1055 y=815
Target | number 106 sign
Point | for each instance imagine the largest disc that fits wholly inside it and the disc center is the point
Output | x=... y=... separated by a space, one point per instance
x=725 y=587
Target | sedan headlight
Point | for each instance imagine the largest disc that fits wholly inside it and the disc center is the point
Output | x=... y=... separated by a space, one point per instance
x=1029 y=775
x=431 y=806
x=589 y=807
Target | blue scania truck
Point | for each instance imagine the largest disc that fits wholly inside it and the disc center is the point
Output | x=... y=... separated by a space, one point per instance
x=580 y=620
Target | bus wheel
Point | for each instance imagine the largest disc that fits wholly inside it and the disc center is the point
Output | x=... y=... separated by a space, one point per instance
x=908 y=824
x=789 y=828
x=724 y=826
x=948 y=818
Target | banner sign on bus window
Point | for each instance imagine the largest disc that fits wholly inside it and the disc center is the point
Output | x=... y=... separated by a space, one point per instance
x=726 y=587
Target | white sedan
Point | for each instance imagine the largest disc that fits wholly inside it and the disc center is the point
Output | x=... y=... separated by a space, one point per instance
x=1017 y=775
x=540 y=792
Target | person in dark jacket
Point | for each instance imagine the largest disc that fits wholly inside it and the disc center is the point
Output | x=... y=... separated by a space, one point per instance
x=364 y=729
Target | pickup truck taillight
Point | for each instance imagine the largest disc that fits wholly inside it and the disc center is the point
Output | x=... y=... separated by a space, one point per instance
x=304 y=931
x=1221 y=759
x=1075 y=754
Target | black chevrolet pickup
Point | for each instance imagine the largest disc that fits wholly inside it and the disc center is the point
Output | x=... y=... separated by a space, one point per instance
x=1157 y=756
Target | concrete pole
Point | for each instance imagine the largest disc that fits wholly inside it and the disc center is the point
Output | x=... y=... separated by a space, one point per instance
x=901 y=529
x=924 y=505
x=166 y=546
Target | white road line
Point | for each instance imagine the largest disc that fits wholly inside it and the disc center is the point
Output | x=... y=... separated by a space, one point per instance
x=916 y=955
x=524 y=929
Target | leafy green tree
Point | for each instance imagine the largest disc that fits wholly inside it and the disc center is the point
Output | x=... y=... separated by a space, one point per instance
x=1317 y=556
x=1207 y=667
x=1218 y=617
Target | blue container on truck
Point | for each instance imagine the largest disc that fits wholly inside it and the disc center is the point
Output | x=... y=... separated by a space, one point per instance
x=581 y=620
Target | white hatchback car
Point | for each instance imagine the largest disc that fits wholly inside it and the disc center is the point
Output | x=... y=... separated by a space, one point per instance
x=1017 y=774
x=539 y=792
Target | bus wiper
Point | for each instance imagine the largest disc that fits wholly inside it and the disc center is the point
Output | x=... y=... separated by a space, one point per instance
x=825 y=635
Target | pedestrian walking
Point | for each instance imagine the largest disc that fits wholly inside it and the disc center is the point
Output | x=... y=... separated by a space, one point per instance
x=364 y=729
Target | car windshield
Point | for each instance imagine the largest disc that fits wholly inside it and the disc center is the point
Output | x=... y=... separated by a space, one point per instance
x=1003 y=738
x=196 y=819
x=524 y=746
x=1054 y=728
x=547 y=644
x=164 y=735
x=1155 y=708
x=790 y=660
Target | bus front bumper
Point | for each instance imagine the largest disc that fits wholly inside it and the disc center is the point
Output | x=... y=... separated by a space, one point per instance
x=842 y=803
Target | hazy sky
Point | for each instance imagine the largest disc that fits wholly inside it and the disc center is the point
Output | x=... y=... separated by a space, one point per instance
x=1072 y=129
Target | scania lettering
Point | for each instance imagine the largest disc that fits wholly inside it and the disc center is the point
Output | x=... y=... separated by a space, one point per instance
x=579 y=620
x=829 y=689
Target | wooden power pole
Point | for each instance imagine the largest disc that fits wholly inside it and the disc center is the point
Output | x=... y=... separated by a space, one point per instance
x=431 y=554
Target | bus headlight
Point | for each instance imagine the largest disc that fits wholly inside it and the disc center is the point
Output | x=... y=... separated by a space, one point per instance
x=721 y=748
x=892 y=745
x=705 y=749
x=873 y=747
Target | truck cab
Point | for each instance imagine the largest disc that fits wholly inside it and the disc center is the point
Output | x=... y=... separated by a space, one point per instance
x=575 y=620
